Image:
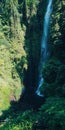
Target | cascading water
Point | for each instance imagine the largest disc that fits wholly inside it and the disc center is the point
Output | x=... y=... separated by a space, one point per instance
x=44 y=45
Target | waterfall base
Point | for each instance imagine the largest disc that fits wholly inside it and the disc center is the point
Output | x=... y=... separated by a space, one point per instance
x=38 y=89
x=33 y=100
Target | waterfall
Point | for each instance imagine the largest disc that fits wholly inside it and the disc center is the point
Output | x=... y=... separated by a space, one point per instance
x=44 y=45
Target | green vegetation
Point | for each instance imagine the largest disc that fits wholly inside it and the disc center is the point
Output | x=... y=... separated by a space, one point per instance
x=21 y=121
x=4 y=97
x=11 y=52
x=21 y=26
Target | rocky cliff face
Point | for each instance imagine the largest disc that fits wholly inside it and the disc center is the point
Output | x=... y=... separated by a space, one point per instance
x=21 y=26
x=33 y=41
x=12 y=53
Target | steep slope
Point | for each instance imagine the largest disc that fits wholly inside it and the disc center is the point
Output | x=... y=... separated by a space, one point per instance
x=12 y=53
x=51 y=115
x=54 y=70
x=20 y=47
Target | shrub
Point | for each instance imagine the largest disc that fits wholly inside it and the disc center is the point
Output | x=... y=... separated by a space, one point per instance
x=50 y=70
x=53 y=113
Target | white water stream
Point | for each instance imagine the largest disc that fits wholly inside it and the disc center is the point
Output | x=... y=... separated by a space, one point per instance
x=44 y=45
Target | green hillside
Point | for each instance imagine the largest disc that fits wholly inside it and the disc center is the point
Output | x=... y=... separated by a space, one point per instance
x=21 y=29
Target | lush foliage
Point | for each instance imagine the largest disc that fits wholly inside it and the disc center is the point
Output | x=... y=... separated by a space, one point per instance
x=21 y=27
x=11 y=52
